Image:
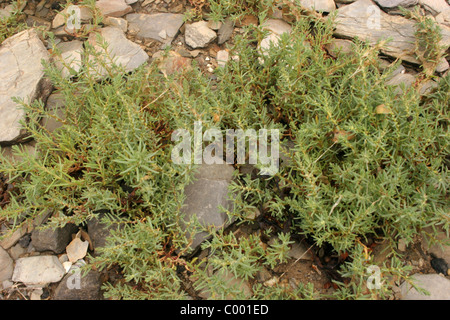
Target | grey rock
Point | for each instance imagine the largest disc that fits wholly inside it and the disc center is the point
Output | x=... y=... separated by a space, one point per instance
x=276 y=27
x=225 y=31
x=22 y=75
x=434 y=6
x=16 y=251
x=444 y=17
x=122 y=51
x=75 y=286
x=340 y=46
x=55 y=105
x=55 y=240
x=154 y=26
x=299 y=251
x=39 y=270
x=120 y=23
x=6 y=265
x=99 y=230
x=401 y=81
x=199 y=35
x=11 y=239
x=441 y=248
x=365 y=20
x=204 y=197
x=437 y=286
x=396 y=3
x=69 y=61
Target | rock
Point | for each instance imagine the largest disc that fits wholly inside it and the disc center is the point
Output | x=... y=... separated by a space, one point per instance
x=396 y=3
x=434 y=6
x=99 y=231
x=172 y=63
x=340 y=46
x=28 y=147
x=401 y=81
x=113 y=8
x=33 y=21
x=444 y=17
x=277 y=28
x=69 y=61
x=77 y=249
x=438 y=287
x=16 y=251
x=319 y=5
x=365 y=20
x=22 y=75
x=76 y=287
x=427 y=87
x=401 y=245
x=241 y=287
x=222 y=58
x=442 y=65
x=122 y=51
x=214 y=25
x=36 y=294
x=299 y=251
x=225 y=31
x=441 y=249
x=150 y=26
x=6 y=265
x=120 y=23
x=198 y=35
x=204 y=197
x=39 y=270
x=55 y=105
x=49 y=239
x=14 y=237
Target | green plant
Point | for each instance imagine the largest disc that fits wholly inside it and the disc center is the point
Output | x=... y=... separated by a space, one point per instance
x=364 y=163
x=12 y=24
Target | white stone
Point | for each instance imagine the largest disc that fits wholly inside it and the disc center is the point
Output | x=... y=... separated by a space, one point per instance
x=70 y=60
x=319 y=5
x=122 y=51
x=77 y=249
x=222 y=58
x=437 y=285
x=198 y=35
x=39 y=270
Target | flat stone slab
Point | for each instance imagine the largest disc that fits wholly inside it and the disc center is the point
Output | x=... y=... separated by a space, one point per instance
x=438 y=287
x=199 y=35
x=365 y=20
x=113 y=8
x=162 y=27
x=6 y=265
x=69 y=62
x=22 y=76
x=122 y=51
x=205 y=196
x=38 y=270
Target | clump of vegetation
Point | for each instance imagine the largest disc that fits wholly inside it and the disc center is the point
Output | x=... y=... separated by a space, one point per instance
x=363 y=163
x=12 y=24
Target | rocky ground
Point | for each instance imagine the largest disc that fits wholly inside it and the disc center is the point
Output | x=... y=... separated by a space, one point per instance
x=40 y=264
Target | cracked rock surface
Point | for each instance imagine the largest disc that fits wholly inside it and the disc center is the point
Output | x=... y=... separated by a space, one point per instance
x=22 y=75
